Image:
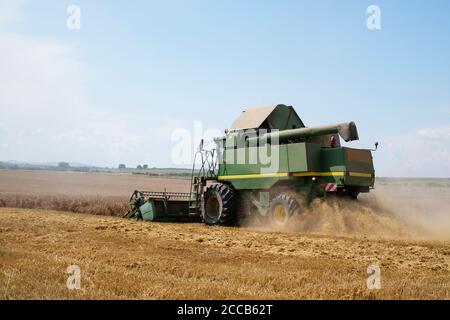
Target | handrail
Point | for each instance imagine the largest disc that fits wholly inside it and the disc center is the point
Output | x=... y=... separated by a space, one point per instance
x=208 y=166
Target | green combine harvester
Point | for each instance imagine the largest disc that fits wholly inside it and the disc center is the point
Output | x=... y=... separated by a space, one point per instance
x=267 y=165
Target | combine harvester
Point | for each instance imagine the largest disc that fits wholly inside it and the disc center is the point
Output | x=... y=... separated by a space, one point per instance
x=268 y=165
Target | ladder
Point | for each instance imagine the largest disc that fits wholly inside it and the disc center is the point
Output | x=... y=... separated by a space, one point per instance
x=199 y=178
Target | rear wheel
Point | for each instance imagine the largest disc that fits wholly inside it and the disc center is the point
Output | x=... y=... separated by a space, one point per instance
x=353 y=193
x=282 y=208
x=219 y=205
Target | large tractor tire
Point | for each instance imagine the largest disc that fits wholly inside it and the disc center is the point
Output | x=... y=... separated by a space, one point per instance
x=282 y=208
x=219 y=205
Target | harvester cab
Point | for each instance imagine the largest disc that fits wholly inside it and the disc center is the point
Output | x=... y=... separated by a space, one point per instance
x=268 y=165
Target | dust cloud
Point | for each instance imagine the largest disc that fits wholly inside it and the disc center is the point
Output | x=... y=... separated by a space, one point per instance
x=413 y=212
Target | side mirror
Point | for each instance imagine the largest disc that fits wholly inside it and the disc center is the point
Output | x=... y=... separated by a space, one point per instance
x=376 y=146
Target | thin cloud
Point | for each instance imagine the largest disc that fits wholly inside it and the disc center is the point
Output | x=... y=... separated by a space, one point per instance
x=46 y=114
x=10 y=12
x=421 y=153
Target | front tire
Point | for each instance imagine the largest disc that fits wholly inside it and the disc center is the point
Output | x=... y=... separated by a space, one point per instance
x=219 y=206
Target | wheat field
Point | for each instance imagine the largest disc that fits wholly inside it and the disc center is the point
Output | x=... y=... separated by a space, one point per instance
x=326 y=257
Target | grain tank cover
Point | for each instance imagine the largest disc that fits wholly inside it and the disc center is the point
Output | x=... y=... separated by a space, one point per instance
x=280 y=117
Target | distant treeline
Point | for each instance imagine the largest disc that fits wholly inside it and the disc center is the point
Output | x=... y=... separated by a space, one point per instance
x=411 y=182
x=9 y=166
x=64 y=166
x=185 y=173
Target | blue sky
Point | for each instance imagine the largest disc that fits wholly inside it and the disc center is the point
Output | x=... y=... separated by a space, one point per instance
x=115 y=90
